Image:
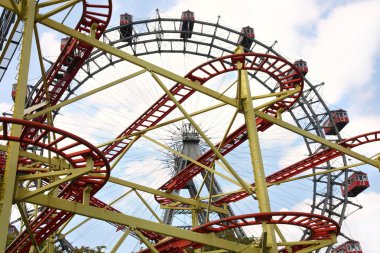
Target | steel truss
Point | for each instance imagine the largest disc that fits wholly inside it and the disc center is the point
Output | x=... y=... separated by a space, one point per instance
x=309 y=112
x=87 y=170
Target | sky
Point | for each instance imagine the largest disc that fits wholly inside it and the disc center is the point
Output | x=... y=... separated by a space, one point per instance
x=340 y=40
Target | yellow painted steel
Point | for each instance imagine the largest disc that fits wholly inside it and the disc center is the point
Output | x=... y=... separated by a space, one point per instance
x=146 y=189
x=58 y=9
x=316 y=138
x=193 y=161
x=120 y=241
x=148 y=206
x=9 y=40
x=24 y=218
x=244 y=184
x=84 y=95
x=8 y=180
x=243 y=102
x=11 y=5
x=137 y=61
x=254 y=146
x=52 y=185
x=133 y=222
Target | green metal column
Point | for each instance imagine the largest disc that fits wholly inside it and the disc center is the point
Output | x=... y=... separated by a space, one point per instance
x=244 y=95
x=7 y=186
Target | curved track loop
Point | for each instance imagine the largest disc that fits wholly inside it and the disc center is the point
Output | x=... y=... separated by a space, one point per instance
x=319 y=227
x=74 y=150
x=285 y=73
x=73 y=55
x=67 y=145
x=287 y=76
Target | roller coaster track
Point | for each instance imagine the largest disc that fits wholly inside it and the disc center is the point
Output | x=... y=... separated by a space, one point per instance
x=58 y=79
x=285 y=73
x=76 y=152
x=287 y=76
x=318 y=226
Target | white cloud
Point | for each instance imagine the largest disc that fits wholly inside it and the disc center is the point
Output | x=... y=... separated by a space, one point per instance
x=50 y=45
x=344 y=50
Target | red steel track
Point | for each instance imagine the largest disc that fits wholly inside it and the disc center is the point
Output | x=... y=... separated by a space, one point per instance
x=74 y=150
x=73 y=55
x=320 y=228
x=306 y=164
x=282 y=71
x=287 y=76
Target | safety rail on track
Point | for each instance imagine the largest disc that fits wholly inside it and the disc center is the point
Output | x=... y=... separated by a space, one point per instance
x=75 y=151
x=74 y=54
x=288 y=79
x=58 y=78
x=285 y=73
x=319 y=227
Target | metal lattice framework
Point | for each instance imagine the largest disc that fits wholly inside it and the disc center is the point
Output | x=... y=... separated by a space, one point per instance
x=80 y=169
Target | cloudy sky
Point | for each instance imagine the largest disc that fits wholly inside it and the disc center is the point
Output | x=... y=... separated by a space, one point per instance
x=340 y=41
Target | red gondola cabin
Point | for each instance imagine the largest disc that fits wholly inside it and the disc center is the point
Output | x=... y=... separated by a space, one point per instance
x=339 y=118
x=126 y=27
x=356 y=183
x=348 y=247
x=246 y=37
x=302 y=66
x=187 y=24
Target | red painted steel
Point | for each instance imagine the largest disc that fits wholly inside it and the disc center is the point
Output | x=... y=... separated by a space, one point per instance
x=66 y=145
x=310 y=162
x=319 y=227
x=59 y=78
x=75 y=53
x=278 y=68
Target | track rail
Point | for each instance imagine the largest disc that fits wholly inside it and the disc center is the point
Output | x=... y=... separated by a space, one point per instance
x=74 y=150
x=72 y=57
x=58 y=78
x=319 y=227
x=285 y=73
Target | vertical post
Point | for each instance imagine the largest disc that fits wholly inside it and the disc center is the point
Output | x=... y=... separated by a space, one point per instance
x=254 y=146
x=8 y=183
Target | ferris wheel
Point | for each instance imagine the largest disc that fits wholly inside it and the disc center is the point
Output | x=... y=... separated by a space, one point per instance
x=81 y=143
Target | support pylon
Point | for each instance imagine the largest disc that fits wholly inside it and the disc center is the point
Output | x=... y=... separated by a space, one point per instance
x=190 y=147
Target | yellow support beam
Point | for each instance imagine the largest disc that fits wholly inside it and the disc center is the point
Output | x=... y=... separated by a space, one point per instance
x=8 y=181
x=146 y=189
x=321 y=140
x=55 y=161
x=11 y=5
x=28 y=194
x=120 y=241
x=27 y=226
x=192 y=160
x=242 y=183
x=136 y=61
x=255 y=151
x=133 y=222
x=58 y=9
